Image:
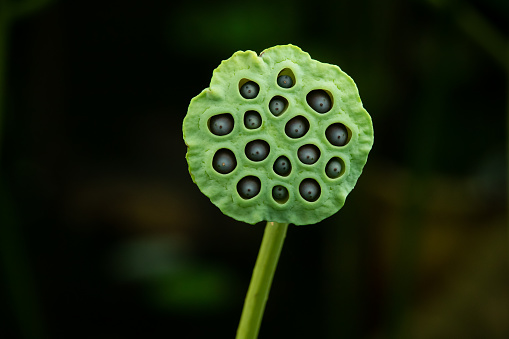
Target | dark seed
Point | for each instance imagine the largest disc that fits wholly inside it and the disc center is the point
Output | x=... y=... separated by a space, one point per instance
x=221 y=124
x=333 y=168
x=282 y=166
x=279 y=193
x=257 y=150
x=319 y=100
x=249 y=187
x=297 y=127
x=308 y=154
x=252 y=120
x=224 y=161
x=310 y=190
x=337 y=134
x=249 y=90
x=277 y=105
x=285 y=81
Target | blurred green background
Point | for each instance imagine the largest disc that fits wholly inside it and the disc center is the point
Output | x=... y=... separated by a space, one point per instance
x=104 y=235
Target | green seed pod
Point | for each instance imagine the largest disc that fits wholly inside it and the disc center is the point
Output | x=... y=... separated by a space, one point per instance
x=253 y=187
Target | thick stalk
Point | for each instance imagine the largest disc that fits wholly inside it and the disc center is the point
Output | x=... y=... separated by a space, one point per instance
x=261 y=280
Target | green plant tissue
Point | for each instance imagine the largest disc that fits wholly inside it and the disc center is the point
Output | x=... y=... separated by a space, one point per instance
x=224 y=99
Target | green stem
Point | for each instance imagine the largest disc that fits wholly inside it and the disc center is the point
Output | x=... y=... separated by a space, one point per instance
x=259 y=288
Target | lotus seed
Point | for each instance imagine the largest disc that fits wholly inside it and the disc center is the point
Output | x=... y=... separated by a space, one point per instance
x=221 y=124
x=282 y=166
x=319 y=100
x=257 y=150
x=308 y=154
x=252 y=120
x=249 y=90
x=279 y=193
x=337 y=134
x=248 y=187
x=333 y=168
x=224 y=161
x=277 y=105
x=297 y=127
x=285 y=81
x=310 y=190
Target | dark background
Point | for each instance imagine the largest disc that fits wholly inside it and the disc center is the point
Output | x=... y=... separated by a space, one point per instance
x=104 y=235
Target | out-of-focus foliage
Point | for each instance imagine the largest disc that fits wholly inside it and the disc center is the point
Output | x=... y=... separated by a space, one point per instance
x=103 y=234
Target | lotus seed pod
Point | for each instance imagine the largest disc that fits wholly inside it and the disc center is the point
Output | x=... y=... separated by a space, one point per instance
x=246 y=187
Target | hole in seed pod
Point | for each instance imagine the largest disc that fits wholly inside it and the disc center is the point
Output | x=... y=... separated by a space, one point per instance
x=252 y=120
x=248 y=89
x=282 y=166
x=248 y=187
x=286 y=78
x=335 y=168
x=310 y=189
x=221 y=124
x=224 y=161
x=297 y=127
x=278 y=105
x=257 y=150
x=337 y=134
x=280 y=194
x=319 y=100
x=308 y=154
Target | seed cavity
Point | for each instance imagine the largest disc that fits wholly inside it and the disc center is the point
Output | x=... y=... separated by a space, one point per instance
x=224 y=161
x=286 y=78
x=337 y=134
x=280 y=194
x=309 y=189
x=249 y=187
x=334 y=168
x=319 y=100
x=297 y=127
x=252 y=120
x=278 y=105
x=248 y=89
x=282 y=166
x=221 y=124
x=257 y=150
x=285 y=81
x=308 y=154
